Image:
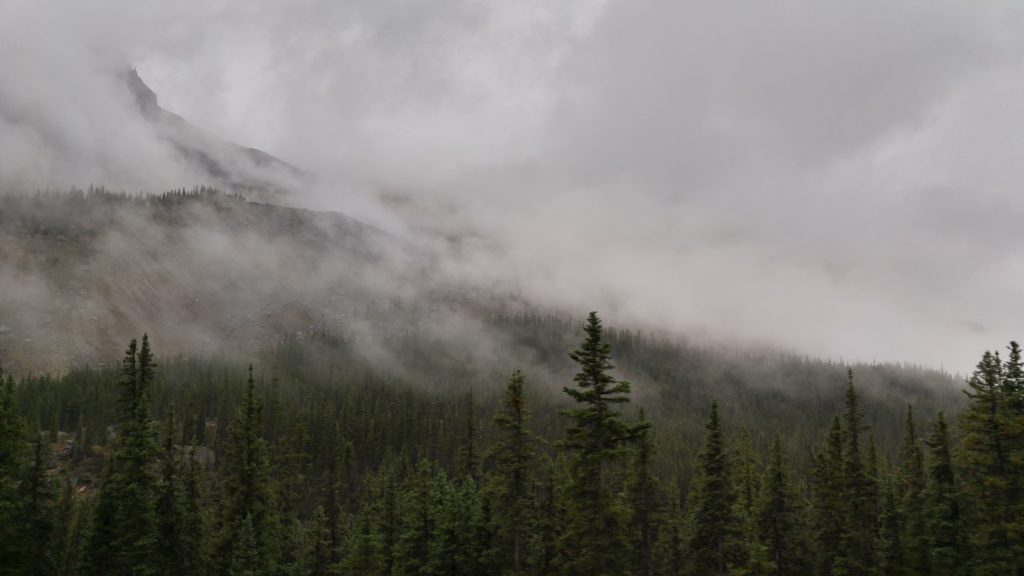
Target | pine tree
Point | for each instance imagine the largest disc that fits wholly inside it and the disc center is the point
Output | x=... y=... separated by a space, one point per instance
x=670 y=547
x=171 y=545
x=643 y=492
x=124 y=535
x=250 y=505
x=944 y=528
x=70 y=518
x=364 y=548
x=827 y=504
x=714 y=546
x=336 y=490
x=549 y=517
x=510 y=481
x=989 y=471
x=100 y=555
x=778 y=519
x=11 y=455
x=419 y=519
x=195 y=520
x=596 y=438
x=246 y=559
x=908 y=499
x=1013 y=430
x=891 y=555
x=38 y=520
x=321 y=548
x=859 y=493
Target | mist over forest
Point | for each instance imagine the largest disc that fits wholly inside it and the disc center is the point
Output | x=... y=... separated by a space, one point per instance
x=464 y=288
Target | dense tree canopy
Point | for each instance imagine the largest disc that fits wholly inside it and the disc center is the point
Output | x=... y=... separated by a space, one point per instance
x=306 y=467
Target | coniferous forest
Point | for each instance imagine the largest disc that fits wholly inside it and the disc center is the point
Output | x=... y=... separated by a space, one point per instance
x=307 y=463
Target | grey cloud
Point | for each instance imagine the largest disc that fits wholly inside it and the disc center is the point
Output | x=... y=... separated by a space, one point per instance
x=840 y=178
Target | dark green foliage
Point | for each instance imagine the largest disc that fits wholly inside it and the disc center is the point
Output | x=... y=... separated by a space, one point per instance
x=38 y=515
x=12 y=548
x=715 y=545
x=511 y=482
x=827 y=504
x=859 y=496
x=991 y=471
x=413 y=552
x=778 y=519
x=942 y=503
x=908 y=495
x=311 y=473
x=643 y=492
x=250 y=527
x=124 y=536
x=596 y=437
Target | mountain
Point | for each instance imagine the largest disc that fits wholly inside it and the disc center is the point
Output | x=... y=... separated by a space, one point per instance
x=253 y=173
x=212 y=274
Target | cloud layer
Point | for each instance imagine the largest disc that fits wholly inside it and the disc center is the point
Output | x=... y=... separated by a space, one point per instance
x=837 y=178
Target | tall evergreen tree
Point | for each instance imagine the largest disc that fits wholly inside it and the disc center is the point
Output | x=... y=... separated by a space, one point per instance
x=338 y=485
x=988 y=469
x=891 y=553
x=171 y=544
x=124 y=535
x=827 y=505
x=714 y=547
x=419 y=523
x=250 y=507
x=511 y=480
x=195 y=518
x=38 y=520
x=859 y=496
x=943 y=522
x=908 y=496
x=11 y=454
x=596 y=437
x=778 y=519
x=365 y=557
x=643 y=492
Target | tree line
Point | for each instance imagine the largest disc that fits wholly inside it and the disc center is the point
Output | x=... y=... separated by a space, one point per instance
x=182 y=495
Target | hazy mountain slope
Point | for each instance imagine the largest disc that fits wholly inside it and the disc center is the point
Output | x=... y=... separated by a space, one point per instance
x=204 y=272
x=81 y=271
x=254 y=173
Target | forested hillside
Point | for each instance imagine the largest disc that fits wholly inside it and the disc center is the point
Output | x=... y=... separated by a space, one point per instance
x=316 y=460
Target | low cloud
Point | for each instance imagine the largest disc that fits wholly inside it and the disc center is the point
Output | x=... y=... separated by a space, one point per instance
x=837 y=179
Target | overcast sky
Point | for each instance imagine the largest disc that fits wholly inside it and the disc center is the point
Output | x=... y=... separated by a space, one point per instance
x=839 y=178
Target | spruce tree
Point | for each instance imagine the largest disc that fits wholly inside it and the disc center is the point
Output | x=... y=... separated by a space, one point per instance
x=989 y=471
x=11 y=456
x=124 y=536
x=245 y=559
x=336 y=493
x=908 y=496
x=511 y=480
x=714 y=547
x=891 y=554
x=364 y=556
x=250 y=507
x=195 y=519
x=942 y=508
x=596 y=438
x=827 y=504
x=38 y=521
x=778 y=519
x=419 y=521
x=171 y=544
x=643 y=492
x=859 y=496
